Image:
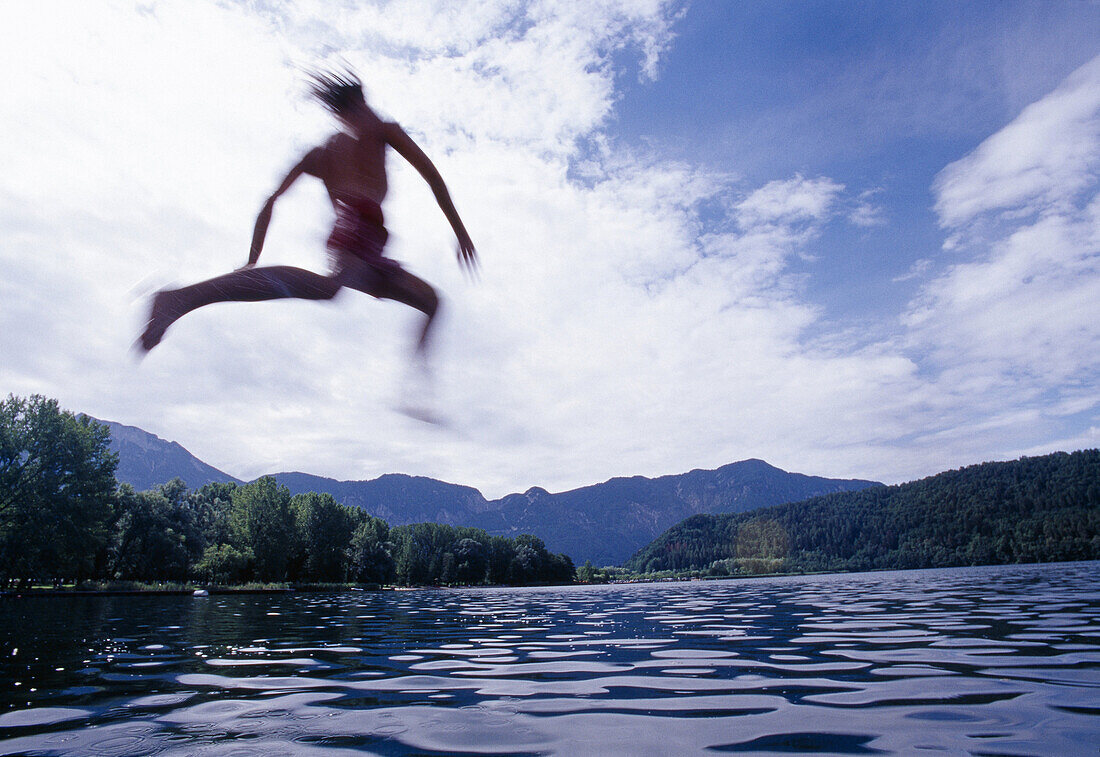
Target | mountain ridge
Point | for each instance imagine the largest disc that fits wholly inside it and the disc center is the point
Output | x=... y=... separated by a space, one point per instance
x=603 y=522
x=145 y=460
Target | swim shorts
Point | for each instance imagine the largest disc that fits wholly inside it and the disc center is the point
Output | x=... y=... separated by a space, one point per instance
x=360 y=233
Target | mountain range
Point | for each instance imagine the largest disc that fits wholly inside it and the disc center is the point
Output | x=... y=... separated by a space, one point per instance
x=605 y=523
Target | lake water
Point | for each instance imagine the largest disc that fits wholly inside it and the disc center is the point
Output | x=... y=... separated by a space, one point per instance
x=1001 y=660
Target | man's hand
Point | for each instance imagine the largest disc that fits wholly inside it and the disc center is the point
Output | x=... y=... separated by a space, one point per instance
x=467 y=256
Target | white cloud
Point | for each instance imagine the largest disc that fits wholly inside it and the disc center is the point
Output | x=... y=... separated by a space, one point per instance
x=1038 y=163
x=1027 y=305
x=616 y=329
x=1010 y=334
x=919 y=270
x=789 y=201
x=865 y=213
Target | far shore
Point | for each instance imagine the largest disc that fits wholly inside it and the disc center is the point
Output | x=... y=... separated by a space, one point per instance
x=138 y=589
x=122 y=589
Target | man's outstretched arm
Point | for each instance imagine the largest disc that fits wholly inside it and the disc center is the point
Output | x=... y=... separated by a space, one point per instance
x=410 y=151
x=308 y=164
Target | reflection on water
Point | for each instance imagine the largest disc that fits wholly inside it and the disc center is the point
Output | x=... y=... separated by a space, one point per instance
x=982 y=660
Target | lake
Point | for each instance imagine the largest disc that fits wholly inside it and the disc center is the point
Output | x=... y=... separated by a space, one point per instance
x=996 y=660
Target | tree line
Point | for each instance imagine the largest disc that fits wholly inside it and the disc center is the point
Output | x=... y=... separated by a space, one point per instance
x=64 y=517
x=1036 y=509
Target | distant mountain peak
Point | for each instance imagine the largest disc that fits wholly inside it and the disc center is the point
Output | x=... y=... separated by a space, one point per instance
x=146 y=461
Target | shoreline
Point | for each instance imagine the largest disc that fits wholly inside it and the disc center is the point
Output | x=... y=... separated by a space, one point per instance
x=196 y=590
x=199 y=591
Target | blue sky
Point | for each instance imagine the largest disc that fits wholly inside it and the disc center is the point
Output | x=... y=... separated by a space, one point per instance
x=852 y=239
x=874 y=94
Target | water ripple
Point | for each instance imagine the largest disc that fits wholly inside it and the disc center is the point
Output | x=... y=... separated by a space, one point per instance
x=988 y=660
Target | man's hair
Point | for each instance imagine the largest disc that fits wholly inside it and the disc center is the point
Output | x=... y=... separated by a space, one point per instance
x=339 y=92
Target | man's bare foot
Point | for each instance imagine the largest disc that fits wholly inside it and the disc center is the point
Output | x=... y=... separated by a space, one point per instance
x=162 y=314
x=423 y=414
x=418 y=393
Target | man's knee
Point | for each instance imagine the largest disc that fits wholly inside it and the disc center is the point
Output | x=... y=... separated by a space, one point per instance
x=431 y=301
x=420 y=295
x=317 y=287
x=330 y=288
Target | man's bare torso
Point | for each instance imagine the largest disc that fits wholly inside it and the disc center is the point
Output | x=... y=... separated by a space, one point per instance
x=353 y=168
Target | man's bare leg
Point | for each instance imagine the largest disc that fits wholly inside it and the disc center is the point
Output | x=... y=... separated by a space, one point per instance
x=413 y=291
x=245 y=285
x=418 y=390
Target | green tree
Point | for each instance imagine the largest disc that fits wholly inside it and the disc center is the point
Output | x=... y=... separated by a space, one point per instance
x=185 y=517
x=212 y=504
x=499 y=553
x=471 y=562
x=532 y=562
x=590 y=574
x=324 y=530
x=261 y=522
x=418 y=551
x=447 y=569
x=149 y=538
x=57 y=490
x=368 y=555
x=559 y=569
x=223 y=564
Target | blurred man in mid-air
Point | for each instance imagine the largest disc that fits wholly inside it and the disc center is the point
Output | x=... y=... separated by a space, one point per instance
x=352 y=165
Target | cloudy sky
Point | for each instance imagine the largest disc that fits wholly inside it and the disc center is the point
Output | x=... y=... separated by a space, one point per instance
x=851 y=239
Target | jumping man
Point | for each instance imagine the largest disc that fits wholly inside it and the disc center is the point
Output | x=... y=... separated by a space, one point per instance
x=352 y=165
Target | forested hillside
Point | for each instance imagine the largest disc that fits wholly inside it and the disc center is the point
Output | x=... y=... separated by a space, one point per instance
x=1035 y=509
